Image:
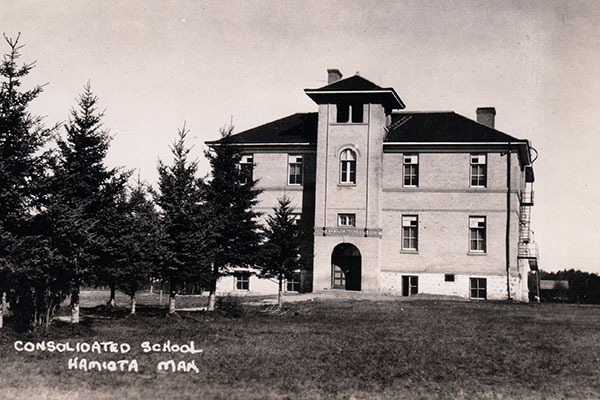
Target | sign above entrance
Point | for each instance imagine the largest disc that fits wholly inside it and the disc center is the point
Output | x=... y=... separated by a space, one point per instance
x=346 y=231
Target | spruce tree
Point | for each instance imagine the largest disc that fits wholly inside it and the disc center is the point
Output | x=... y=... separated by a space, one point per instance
x=281 y=251
x=23 y=276
x=110 y=215
x=183 y=220
x=62 y=234
x=234 y=235
x=91 y=190
x=139 y=247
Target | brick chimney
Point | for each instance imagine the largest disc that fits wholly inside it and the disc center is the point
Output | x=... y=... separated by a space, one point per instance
x=486 y=116
x=333 y=75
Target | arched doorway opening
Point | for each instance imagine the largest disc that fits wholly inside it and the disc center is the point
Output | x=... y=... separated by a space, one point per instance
x=345 y=267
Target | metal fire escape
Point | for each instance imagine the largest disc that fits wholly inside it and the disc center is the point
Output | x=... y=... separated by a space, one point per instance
x=528 y=249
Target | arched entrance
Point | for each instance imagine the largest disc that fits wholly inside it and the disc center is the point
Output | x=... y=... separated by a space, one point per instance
x=345 y=267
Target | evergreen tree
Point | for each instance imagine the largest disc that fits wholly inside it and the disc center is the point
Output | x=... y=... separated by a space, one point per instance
x=234 y=235
x=281 y=255
x=56 y=252
x=183 y=220
x=88 y=188
x=110 y=215
x=22 y=168
x=139 y=247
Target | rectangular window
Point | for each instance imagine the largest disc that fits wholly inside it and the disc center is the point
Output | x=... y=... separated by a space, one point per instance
x=349 y=113
x=343 y=113
x=477 y=228
x=478 y=170
x=295 y=169
x=293 y=284
x=346 y=219
x=449 y=278
x=246 y=168
x=242 y=281
x=410 y=232
x=411 y=170
x=357 y=112
x=410 y=285
x=478 y=288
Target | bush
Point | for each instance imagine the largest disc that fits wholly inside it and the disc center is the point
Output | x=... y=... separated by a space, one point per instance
x=230 y=306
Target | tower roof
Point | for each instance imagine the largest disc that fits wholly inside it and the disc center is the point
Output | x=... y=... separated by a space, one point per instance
x=356 y=87
x=355 y=82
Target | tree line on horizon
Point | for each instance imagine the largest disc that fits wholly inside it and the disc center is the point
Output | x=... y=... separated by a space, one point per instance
x=583 y=287
x=67 y=220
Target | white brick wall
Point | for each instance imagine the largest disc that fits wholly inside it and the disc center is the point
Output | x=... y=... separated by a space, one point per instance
x=257 y=286
x=391 y=282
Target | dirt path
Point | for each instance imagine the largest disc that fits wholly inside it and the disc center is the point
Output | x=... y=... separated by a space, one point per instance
x=350 y=295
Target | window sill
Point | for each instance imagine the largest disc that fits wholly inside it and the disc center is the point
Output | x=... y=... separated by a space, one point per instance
x=349 y=123
x=410 y=186
x=409 y=251
x=478 y=187
x=471 y=253
x=347 y=185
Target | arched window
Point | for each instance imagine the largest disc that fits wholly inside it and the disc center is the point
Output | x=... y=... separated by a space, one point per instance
x=348 y=166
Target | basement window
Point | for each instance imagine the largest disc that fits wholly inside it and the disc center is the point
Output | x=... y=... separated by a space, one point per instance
x=410 y=285
x=479 y=288
x=293 y=284
x=242 y=281
x=449 y=278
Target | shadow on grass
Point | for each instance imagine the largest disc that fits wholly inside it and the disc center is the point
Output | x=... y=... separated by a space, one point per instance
x=57 y=330
x=117 y=312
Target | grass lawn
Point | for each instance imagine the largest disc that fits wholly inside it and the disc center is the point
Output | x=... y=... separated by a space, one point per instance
x=329 y=348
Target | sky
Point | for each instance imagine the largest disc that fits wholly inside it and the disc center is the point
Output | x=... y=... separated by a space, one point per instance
x=157 y=65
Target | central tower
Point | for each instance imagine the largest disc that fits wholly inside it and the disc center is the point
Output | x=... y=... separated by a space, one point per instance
x=352 y=120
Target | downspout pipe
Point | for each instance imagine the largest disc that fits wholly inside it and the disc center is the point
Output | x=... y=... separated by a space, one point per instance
x=508 y=181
